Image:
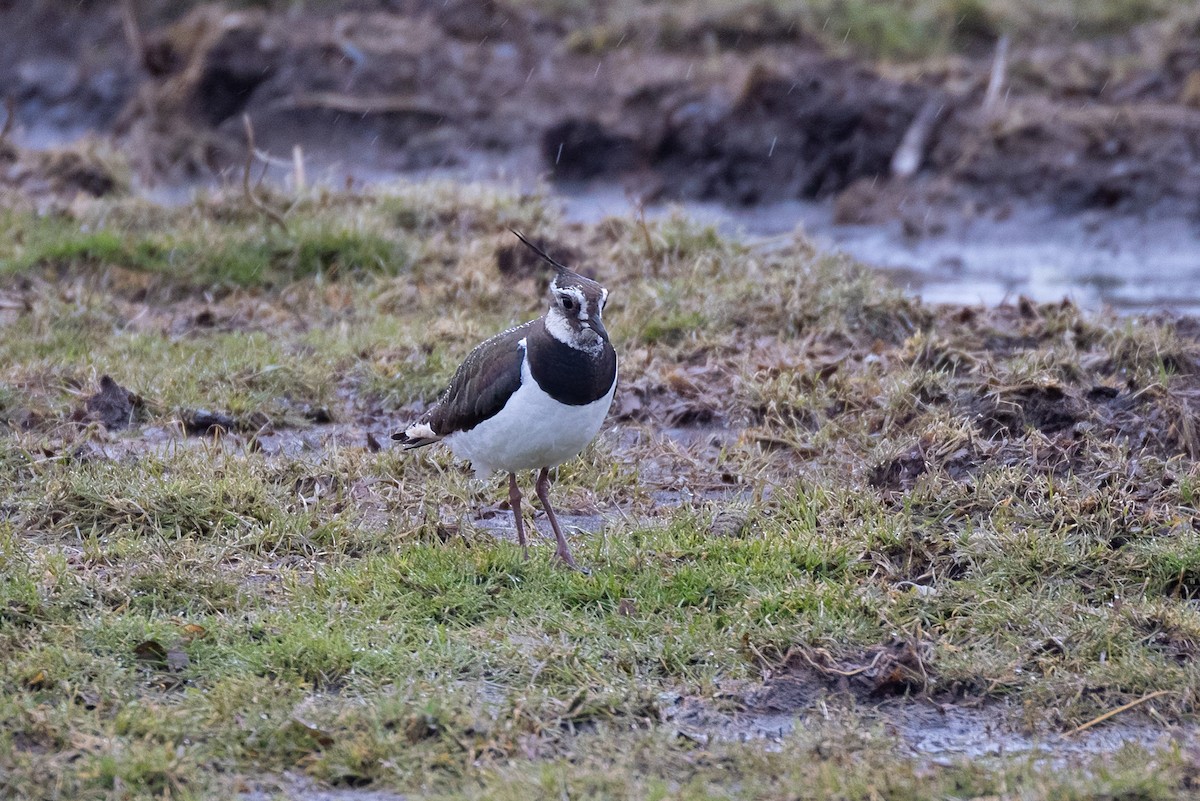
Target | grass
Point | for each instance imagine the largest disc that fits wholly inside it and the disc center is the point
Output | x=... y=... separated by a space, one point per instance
x=894 y=30
x=191 y=246
x=888 y=502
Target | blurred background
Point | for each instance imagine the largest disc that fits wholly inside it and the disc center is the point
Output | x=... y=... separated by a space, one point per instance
x=976 y=150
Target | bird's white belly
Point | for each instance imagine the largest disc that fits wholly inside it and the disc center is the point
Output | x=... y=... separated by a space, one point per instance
x=532 y=431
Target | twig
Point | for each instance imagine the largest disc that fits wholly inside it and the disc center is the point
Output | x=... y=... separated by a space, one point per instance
x=10 y=116
x=911 y=152
x=640 y=220
x=763 y=661
x=251 y=198
x=359 y=104
x=272 y=161
x=298 y=177
x=1112 y=712
x=996 y=81
x=133 y=31
x=839 y=671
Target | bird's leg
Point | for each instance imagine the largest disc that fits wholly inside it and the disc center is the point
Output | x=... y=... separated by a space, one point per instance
x=543 y=492
x=514 y=501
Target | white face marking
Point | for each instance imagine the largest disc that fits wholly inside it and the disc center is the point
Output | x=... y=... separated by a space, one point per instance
x=571 y=299
x=560 y=329
x=573 y=308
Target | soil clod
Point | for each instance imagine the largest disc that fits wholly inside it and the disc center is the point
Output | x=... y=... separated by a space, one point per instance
x=113 y=405
x=730 y=522
x=202 y=422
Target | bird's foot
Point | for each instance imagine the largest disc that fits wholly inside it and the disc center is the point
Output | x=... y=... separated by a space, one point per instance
x=566 y=560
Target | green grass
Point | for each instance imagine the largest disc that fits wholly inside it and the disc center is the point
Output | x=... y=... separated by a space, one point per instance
x=191 y=249
x=882 y=29
x=889 y=30
x=187 y=616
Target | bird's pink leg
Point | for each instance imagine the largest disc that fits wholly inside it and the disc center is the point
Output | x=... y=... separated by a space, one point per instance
x=514 y=501
x=543 y=492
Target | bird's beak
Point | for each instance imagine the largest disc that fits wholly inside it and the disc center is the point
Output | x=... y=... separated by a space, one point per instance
x=598 y=327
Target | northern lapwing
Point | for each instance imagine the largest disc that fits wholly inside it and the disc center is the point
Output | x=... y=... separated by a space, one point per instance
x=531 y=397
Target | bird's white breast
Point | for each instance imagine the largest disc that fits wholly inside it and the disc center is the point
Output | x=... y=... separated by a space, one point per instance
x=532 y=431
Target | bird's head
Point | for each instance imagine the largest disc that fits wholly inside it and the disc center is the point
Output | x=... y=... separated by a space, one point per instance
x=576 y=311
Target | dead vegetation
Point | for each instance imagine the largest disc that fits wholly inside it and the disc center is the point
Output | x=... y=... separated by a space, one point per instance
x=52 y=179
x=816 y=495
x=821 y=506
x=745 y=104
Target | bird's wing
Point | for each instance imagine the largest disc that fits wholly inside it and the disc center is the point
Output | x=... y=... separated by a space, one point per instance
x=481 y=386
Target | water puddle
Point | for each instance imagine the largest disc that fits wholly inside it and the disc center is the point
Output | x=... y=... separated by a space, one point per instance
x=1127 y=263
x=1099 y=260
x=950 y=734
x=940 y=734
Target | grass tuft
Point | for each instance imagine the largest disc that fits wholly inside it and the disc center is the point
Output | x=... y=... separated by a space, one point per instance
x=820 y=504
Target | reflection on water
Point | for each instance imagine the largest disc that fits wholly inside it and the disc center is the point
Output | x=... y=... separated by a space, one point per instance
x=1130 y=264
x=1127 y=263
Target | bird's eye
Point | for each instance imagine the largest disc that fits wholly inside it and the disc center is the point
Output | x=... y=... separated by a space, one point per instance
x=568 y=302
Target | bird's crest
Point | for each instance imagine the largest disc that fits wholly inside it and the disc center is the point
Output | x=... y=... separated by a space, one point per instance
x=562 y=268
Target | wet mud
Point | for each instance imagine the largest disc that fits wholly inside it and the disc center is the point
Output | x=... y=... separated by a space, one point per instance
x=795 y=705
x=742 y=108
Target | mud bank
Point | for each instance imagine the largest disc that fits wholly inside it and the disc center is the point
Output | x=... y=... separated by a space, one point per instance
x=742 y=108
x=1130 y=262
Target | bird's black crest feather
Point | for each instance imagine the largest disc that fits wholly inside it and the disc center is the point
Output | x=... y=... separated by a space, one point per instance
x=540 y=252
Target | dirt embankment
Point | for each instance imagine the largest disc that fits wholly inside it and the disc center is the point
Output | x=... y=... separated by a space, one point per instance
x=742 y=108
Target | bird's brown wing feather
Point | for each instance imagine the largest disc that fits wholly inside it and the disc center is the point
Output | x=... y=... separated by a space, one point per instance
x=481 y=386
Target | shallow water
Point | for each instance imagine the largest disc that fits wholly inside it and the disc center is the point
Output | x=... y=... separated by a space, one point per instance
x=942 y=735
x=1129 y=264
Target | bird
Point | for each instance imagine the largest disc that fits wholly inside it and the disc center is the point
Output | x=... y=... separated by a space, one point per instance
x=531 y=397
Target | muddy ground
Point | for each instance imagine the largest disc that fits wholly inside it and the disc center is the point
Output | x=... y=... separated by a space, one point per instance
x=834 y=534
x=746 y=105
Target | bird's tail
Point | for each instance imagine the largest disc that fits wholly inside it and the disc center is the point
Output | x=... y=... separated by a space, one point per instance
x=417 y=435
